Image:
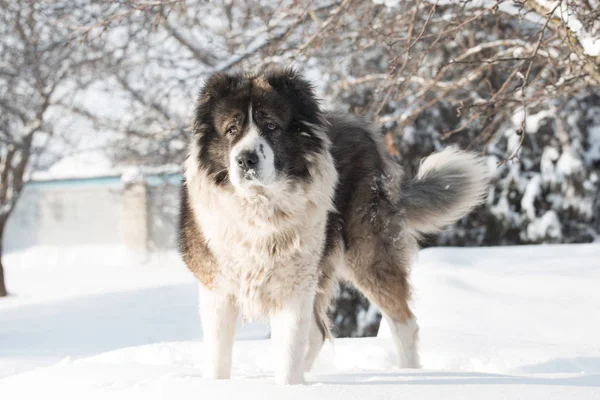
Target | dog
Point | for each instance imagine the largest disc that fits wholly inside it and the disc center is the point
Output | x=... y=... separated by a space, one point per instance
x=281 y=200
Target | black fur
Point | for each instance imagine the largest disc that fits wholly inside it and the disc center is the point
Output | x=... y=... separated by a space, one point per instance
x=287 y=100
x=359 y=165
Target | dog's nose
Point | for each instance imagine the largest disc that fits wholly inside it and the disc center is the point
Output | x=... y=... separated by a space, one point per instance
x=247 y=160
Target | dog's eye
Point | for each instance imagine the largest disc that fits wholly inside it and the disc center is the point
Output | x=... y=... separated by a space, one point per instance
x=232 y=130
x=271 y=126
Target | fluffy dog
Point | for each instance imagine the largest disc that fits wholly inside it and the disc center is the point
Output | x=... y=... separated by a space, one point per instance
x=281 y=200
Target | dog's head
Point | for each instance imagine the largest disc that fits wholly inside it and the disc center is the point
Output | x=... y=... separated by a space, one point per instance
x=257 y=131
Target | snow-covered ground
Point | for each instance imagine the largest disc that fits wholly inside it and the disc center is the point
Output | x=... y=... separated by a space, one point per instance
x=496 y=323
x=74 y=304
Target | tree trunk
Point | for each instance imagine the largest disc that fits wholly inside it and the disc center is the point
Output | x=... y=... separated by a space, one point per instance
x=3 y=291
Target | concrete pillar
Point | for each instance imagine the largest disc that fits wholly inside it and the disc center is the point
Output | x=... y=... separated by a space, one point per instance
x=135 y=210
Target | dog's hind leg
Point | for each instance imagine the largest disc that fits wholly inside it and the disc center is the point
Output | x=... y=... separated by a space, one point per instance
x=316 y=338
x=383 y=278
x=326 y=288
x=405 y=332
x=219 y=314
x=319 y=329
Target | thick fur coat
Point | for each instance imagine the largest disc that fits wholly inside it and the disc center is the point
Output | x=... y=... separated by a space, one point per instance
x=282 y=200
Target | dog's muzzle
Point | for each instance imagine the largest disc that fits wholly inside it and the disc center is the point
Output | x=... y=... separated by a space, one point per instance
x=252 y=162
x=248 y=161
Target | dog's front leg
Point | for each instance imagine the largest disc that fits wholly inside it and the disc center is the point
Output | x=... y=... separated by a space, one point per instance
x=289 y=331
x=218 y=313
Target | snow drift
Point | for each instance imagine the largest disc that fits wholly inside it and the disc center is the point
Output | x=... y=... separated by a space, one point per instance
x=496 y=323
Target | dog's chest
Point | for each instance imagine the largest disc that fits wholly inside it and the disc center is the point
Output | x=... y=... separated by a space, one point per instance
x=260 y=264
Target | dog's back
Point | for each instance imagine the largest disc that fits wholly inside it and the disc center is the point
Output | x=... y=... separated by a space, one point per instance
x=449 y=184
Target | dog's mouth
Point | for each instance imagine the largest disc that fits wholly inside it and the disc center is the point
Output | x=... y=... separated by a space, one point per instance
x=248 y=182
x=251 y=175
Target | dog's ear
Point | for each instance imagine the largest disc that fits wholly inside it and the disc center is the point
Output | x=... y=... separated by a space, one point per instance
x=292 y=84
x=218 y=85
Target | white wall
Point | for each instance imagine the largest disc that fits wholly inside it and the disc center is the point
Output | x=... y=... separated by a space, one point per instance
x=95 y=212
x=21 y=229
x=67 y=213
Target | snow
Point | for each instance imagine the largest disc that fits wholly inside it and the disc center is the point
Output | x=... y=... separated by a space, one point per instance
x=589 y=42
x=496 y=323
x=547 y=226
x=132 y=175
x=569 y=164
x=593 y=153
x=78 y=303
x=85 y=164
x=77 y=167
x=533 y=122
x=388 y=3
x=547 y=169
x=532 y=192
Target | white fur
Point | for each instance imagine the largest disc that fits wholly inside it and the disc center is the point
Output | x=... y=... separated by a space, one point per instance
x=219 y=315
x=405 y=336
x=267 y=276
x=289 y=331
x=265 y=173
x=473 y=190
x=315 y=342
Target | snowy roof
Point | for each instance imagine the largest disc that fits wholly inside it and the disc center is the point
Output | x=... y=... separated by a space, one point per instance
x=126 y=174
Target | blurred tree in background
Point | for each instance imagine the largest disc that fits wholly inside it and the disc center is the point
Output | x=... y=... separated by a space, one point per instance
x=39 y=71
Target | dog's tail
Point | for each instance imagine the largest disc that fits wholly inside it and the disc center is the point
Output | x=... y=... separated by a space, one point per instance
x=448 y=185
